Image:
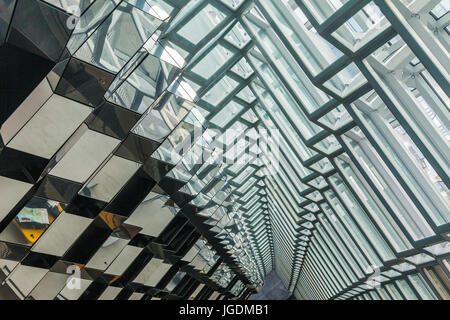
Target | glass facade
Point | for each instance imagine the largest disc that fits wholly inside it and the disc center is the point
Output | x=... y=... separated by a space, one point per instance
x=135 y=161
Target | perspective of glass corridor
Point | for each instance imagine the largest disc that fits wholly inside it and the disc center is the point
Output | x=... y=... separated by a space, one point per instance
x=356 y=207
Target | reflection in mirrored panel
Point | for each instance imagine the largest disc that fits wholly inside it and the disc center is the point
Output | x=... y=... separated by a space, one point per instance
x=110 y=179
x=12 y=191
x=107 y=253
x=153 y=215
x=144 y=85
x=175 y=281
x=50 y=127
x=180 y=140
x=50 y=286
x=161 y=119
x=91 y=149
x=61 y=234
x=75 y=7
x=201 y=24
x=23 y=279
x=123 y=260
x=32 y=221
x=118 y=38
x=153 y=272
x=179 y=150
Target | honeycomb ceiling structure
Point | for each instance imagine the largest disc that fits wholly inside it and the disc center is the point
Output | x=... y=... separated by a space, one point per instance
x=185 y=149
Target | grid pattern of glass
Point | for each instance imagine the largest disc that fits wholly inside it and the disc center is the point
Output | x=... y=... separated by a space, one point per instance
x=116 y=113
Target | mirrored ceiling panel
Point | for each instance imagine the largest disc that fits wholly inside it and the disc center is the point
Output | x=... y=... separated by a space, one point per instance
x=184 y=150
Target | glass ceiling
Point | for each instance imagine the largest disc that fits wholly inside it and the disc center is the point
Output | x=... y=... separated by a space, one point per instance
x=351 y=199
